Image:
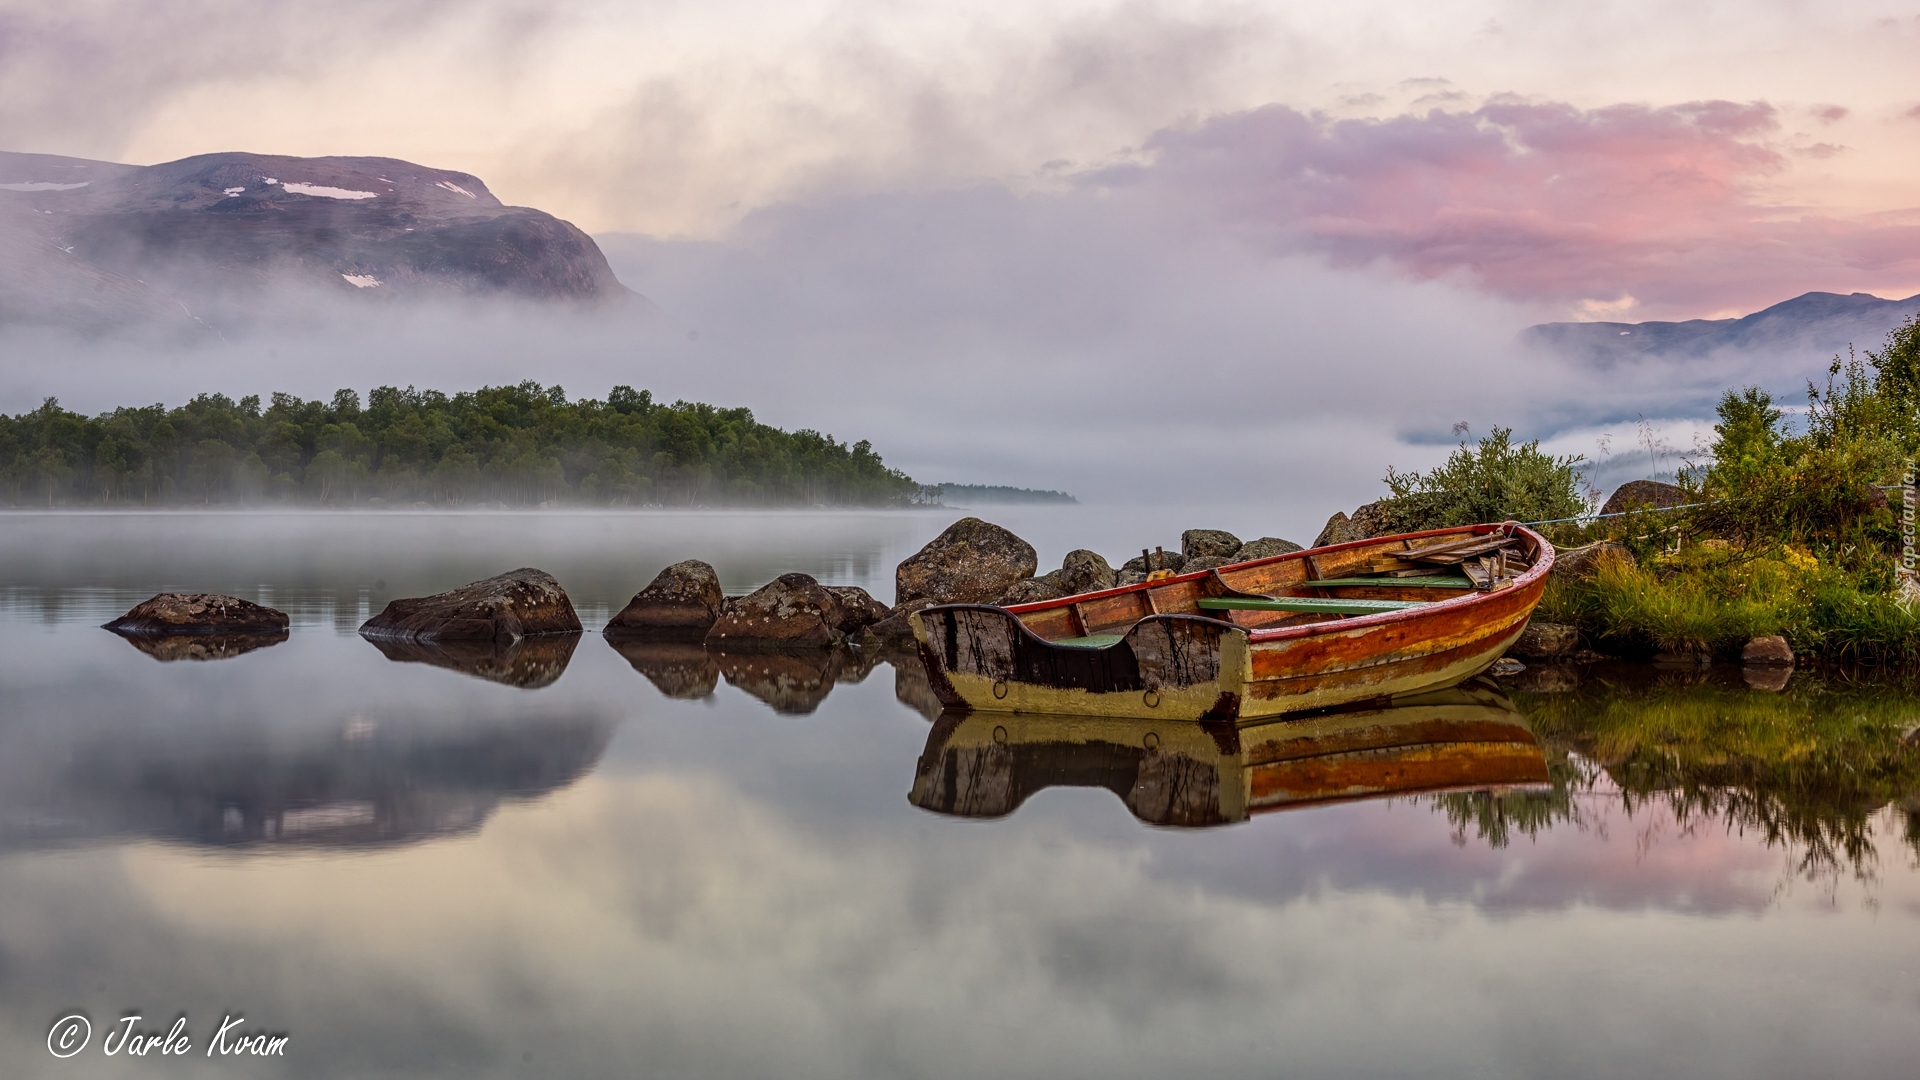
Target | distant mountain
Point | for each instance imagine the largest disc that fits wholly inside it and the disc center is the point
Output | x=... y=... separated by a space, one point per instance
x=1816 y=323
x=93 y=243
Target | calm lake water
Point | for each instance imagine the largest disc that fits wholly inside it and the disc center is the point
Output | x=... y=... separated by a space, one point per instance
x=670 y=864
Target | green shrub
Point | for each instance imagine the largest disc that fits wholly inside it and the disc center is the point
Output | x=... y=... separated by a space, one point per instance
x=1493 y=481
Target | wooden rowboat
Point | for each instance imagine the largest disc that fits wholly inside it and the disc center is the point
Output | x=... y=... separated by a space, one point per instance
x=1314 y=629
x=1465 y=738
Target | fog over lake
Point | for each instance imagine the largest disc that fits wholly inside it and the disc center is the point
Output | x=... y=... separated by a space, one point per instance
x=413 y=871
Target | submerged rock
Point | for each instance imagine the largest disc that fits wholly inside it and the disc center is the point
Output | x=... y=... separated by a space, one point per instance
x=1643 y=494
x=971 y=563
x=793 y=611
x=517 y=604
x=199 y=613
x=681 y=604
x=1084 y=571
x=528 y=662
x=1208 y=543
x=1265 y=548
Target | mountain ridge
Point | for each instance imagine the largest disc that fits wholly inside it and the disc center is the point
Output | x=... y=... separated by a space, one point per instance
x=95 y=243
x=1811 y=322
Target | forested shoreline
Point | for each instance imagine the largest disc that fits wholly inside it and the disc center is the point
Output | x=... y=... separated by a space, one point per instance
x=524 y=445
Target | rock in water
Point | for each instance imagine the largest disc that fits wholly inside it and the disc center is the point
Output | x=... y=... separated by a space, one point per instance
x=681 y=604
x=1769 y=651
x=521 y=603
x=793 y=611
x=971 y=563
x=1264 y=548
x=1084 y=571
x=1643 y=493
x=198 y=613
x=1545 y=641
x=170 y=647
x=858 y=608
x=1208 y=543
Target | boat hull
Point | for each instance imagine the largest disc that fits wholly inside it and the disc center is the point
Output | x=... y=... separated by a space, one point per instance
x=1193 y=667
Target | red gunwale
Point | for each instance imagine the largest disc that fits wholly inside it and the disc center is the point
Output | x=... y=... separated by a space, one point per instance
x=1540 y=568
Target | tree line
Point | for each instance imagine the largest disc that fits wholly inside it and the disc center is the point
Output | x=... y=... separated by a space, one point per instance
x=524 y=445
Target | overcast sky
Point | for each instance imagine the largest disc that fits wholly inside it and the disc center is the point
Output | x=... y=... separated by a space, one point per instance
x=916 y=222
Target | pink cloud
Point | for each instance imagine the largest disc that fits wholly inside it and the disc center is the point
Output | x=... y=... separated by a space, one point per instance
x=1535 y=201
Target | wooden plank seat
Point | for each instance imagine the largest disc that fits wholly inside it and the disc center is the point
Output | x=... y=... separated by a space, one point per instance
x=1391 y=583
x=1309 y=605
x=1090 y=641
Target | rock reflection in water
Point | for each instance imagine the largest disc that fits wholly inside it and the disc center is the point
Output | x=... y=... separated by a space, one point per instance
x=371 y=781
x=1190 y=775
x=792 y=683
x=676 y=669
x=170 y=647
x=528 y=663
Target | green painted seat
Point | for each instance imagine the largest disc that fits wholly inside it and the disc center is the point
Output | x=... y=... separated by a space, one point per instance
x=1091 y=641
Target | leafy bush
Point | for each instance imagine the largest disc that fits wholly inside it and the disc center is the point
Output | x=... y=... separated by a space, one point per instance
x=1492 y=481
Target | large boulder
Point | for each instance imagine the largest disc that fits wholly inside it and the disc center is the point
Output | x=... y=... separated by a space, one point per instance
x=1206 y=562
x=173 y=614
x=520 y=603
x=1338 y=530
x=1643 y=494
x=1580 y=563
x=1084 y=571
x=1208 y=543
x=1157 y=560
x=1030 y=591
x=858 y=608
x=1373 y=519
x=971 y=563
x=1264 y=548
x=680 y=604
x=793 y=611
x=1545 y=641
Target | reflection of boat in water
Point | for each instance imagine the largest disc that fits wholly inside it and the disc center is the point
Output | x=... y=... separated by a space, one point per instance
x=365 y=781
x=169 y=647
x=528 y=662
x=1190 y=774
x=1309 y=630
